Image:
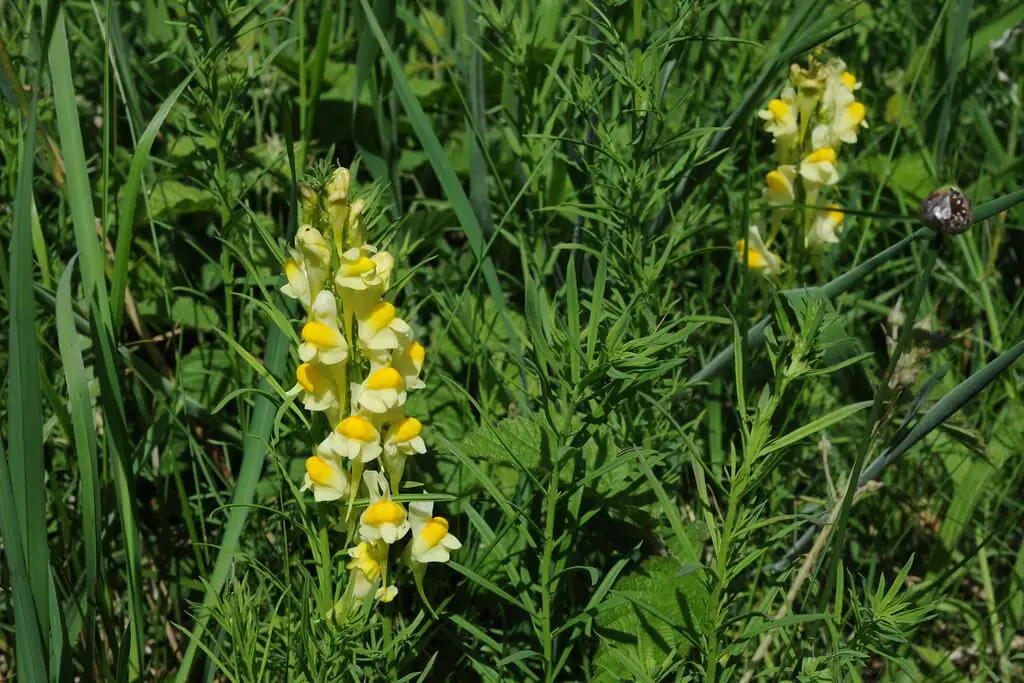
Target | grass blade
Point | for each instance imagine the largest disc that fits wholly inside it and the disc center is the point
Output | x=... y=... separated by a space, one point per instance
x=126 y=216
x=449 y=181
x=83 y=216
x=254 y=452
x=30 y=641
x=84 y=442
x=24 y=406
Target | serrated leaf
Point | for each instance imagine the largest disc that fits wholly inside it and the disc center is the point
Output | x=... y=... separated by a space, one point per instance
x=636 y=636
x=188 y=312
x=170 y=198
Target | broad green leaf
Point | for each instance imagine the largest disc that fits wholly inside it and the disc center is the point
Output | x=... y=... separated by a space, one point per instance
x=971 y=475
x=642 y=635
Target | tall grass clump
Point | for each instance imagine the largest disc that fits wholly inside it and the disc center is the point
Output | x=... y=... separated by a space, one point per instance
x=544 y=341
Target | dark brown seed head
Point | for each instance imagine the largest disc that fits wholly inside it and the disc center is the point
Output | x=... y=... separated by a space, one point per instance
x=946 y=211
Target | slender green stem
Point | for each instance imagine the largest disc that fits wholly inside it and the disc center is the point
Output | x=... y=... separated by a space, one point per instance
x=324 y=565
x=545 y=575
x=389 y=653
x=721 y=573
x=993 y=611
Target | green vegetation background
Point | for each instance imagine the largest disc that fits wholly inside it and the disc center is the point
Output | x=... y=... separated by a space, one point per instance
x=562 y=184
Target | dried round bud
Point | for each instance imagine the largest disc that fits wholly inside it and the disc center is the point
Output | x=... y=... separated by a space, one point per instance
x=947 y=211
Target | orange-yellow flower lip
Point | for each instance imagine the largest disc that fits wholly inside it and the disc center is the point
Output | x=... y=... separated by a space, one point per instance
x=407 y=429
x=319 y=334
x=384 y=511
x=825 y=154
x=320 y=471
x=385 y=378
x=381 y=316
x=359 y=267
x=358 y=428
x=434 y=530
x=306 y=376
x=778 y=109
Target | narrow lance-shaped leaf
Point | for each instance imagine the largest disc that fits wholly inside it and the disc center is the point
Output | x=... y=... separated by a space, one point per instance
x=84 y=439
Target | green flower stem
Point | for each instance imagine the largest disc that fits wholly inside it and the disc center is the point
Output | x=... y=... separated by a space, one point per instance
x=389 y=653
x=993 y=611
x=545 y=576
x=323 y=565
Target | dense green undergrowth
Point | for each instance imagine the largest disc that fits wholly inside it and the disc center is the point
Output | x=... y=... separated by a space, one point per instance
x=661 y=464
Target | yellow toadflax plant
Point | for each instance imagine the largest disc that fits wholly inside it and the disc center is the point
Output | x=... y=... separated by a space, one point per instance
x=358 y=362
x=813 y=117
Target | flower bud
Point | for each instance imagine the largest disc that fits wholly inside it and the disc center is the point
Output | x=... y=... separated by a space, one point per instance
x=946 y=211
x=338 y=185
x=310 y=205
x=355 y=236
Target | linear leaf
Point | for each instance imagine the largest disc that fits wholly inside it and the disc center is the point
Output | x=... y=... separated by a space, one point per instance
x=126 y=215
x=821 y=423
x=83 y=425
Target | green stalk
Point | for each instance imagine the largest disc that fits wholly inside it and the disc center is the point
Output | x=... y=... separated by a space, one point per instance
x=545 y=576
x=389 y=653
x=993 y=611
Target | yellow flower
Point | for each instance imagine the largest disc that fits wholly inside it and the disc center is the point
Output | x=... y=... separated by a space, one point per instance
x=403 y=437
x=819 y=167
x=759 y=259
x=367 y=558
x=338 y=186
x=386 y=594
x=779 y=185
x=362 y=268
x=307 y=266
x=849 y=121
x=318 y=385
x=322 y=341
x=823 y=231
x=838 y=92
x=354 y=438
x=384 y=519
x=367 y=565
x=431 y=541
x=327 y=480
x=402 y=440
x=379 y=328
x=780 y=117
x=381 y=391
x=408 y=361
